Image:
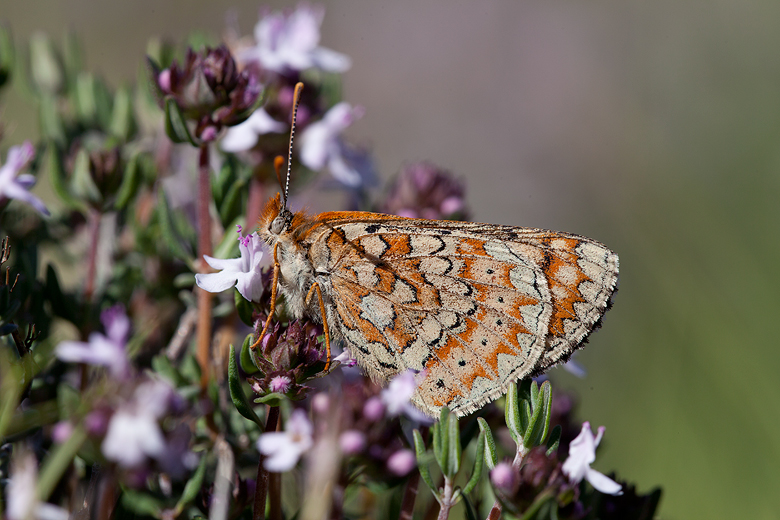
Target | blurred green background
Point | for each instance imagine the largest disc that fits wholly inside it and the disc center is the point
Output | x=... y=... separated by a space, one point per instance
x=651 y=126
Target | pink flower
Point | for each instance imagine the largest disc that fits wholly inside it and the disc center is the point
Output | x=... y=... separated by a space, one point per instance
x=16 y=186
x=401 y=462
x=582 y=453
x=244 y=273
x=283 y=449
x=291 y=42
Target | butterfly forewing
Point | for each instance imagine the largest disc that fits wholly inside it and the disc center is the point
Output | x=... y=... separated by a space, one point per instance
x=475 y=306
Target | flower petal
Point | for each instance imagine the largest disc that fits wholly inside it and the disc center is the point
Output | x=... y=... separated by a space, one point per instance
x=216 y=282
x=603 y=483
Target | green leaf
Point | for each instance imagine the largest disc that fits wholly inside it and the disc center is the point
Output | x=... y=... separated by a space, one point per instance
x=131 y=179
x=57 y=461
x=81 y=182
x=453 y=444
x=244 y=308
x=247 y=363
x=422 y=463
x=533 y=426
x=141 y=503
x=52 y=127
x=192 y=487
x=512 y=414
x=237 y=393
x=175 y=125
x=162 y=366
x=441 y=441
x=272 y=399
x=45 y=65
x=491 y=458
x=232 y=206
x=122 y=121
x=554 y=440
x=479 y=457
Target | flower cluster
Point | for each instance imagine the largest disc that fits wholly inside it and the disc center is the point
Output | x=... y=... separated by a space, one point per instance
x=422 y=190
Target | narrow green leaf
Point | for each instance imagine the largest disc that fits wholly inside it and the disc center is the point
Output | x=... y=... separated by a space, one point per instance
x=162 y=365
x=441 y=439
x=554 y=440
x=192 y=487
x=491 y=458
x=471 y=511
x=422 y=464
x=52 y=127
x=272 y=399
x=245 y=358
x=512 y=414
x=57 y=461
x=237 y=393
x=533 y=426
x=546 y=403
x=81 y=182
x=57 y=177
x=479 y=457
x=141 y=503
x=175 y=125
x=232 y=206
x=453 y=445
x=170 y=236
x=244 y=309
x=122 y=121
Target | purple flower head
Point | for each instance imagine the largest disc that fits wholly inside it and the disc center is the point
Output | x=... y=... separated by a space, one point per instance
x=322 y=145
x=352 y=442
x=401 y=462
x=582 y=453
x=107 y=351
x=291 y=43
x=280 y=384
x=244 y=273
x=283 y=449
x=422 y=190
x=505 y=478
x=14 y=185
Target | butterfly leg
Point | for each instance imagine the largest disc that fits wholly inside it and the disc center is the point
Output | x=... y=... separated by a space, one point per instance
x=274 y=284
x=316 y=287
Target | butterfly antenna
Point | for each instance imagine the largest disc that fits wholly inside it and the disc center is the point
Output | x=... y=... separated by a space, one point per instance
x=296 y=100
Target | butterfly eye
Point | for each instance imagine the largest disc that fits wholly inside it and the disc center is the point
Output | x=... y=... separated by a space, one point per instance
x=277 y=225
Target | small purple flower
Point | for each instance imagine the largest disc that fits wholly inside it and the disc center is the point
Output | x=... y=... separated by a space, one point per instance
x=582 y=453
x=345 y=358
x=280 y=384
x=244 y=273
x=398 y=394
x=401 y=462
x=373 y=409
x=291 y=43
x=107 y=351
x=244 y=136
x=16 y=186
x=322 y=145
x=505 y=478
x=283 y=449
x=352 y=442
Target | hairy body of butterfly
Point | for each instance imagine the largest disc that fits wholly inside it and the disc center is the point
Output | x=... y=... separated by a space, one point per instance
x=475 y=306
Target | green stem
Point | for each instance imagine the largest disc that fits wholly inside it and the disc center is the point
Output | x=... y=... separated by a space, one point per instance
x=58 y=461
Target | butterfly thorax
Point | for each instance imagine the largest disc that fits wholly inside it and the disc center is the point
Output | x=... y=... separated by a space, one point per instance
x=284 y=232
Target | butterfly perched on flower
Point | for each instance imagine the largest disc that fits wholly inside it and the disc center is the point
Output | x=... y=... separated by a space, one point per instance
x=473 y=307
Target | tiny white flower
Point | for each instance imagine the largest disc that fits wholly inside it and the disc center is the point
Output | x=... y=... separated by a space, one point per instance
x=283 y=449
x=134 y=431
x=108 y=351
x=582 y=453
x=291 y=42
x=244 y=136
x=244 y=273
x=16 y=186
x=397 y=397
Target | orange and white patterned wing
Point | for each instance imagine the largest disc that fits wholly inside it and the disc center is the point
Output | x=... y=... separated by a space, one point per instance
x=476 y=306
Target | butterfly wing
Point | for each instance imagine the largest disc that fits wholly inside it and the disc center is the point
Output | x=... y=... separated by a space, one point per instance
x=476 y=306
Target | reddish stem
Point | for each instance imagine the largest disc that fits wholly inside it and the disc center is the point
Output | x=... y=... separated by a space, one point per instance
x=93 y=222
x=204 y=248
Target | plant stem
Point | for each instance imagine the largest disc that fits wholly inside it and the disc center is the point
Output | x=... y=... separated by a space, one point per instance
x=446 y=499
x=204 y=248
x=261 y=488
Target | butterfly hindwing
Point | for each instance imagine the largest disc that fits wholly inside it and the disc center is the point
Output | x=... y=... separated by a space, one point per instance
x=476 y=306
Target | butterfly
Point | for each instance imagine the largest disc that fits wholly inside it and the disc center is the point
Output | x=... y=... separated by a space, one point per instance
x=472 y=307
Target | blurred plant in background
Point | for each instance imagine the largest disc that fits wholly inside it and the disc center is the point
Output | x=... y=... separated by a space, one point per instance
x=121 y=393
